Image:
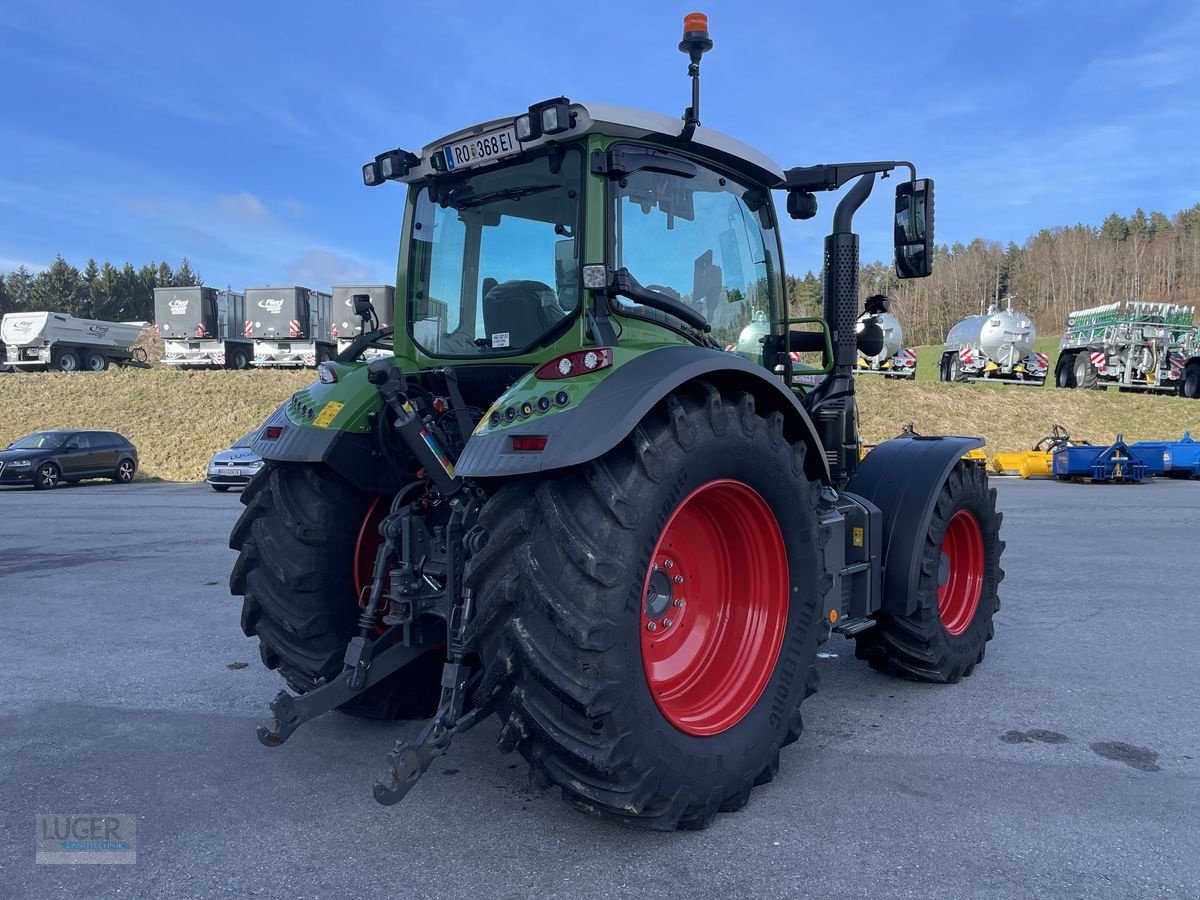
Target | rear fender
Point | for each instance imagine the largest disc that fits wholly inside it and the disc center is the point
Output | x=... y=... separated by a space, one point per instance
x=331 y=424
x=609 y=412
x=903 y=477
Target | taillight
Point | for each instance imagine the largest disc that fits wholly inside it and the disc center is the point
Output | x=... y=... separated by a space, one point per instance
x=529 y=443
x=273 y=432
x=578 y=362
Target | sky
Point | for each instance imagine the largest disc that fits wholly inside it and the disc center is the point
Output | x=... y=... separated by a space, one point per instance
x=234 y=133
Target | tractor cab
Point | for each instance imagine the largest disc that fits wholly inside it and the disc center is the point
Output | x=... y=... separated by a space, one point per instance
x=511 y=228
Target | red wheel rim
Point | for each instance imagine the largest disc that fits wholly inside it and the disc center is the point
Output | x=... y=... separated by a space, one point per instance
x=365 y=548
x=960 y=574
x=714 y=607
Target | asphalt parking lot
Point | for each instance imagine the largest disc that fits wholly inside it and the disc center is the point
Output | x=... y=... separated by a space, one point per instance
x=1068 y=765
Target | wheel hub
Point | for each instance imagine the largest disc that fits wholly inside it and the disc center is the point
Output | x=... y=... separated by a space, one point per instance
x=715 y=606
x=960 y=572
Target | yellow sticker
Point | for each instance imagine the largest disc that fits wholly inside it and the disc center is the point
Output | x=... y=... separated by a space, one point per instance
x=327 y=413
x=856 y=537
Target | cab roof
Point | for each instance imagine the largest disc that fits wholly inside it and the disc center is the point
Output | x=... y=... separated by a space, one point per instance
x=622 y=121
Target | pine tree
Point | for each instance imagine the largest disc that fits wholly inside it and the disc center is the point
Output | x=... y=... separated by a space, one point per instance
x=164 y=277
x=185 y=277
x=20 y=289
x=90 y=273
x=5 y=299
x=1115 y=228
x=59 y=288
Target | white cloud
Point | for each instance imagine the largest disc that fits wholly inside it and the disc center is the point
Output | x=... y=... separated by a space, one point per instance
x=244 y=206
x=318 y=268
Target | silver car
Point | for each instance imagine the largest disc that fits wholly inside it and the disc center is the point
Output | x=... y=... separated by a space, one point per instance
x=236 y=466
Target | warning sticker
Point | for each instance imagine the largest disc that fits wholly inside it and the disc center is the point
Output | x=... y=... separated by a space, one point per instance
x=500 y=339
x=327 y=413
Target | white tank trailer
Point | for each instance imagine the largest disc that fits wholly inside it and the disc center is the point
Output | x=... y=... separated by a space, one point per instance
x=202 y=328
x=347 y=326
x=66 y=343
x=894 y=360
x=291 y=326
x=996 y=346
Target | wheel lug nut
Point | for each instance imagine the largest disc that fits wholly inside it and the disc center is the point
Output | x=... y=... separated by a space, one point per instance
x=652 y=626
x=670 y=564
x=679 y=579
x=677 y=603
x=666 y=623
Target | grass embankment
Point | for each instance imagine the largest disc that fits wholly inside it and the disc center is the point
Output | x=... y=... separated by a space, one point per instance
x=179 y=419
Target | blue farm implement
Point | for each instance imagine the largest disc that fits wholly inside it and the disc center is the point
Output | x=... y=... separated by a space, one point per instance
x=1175 y=459
x=1115 y=463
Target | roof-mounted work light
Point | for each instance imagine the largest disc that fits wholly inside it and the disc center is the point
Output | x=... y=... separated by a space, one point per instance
x=552 y=116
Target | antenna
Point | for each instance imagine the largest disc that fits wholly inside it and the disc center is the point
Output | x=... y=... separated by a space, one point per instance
x=695 y=44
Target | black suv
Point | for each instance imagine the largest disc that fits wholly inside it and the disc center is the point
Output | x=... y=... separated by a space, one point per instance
x=46 y=458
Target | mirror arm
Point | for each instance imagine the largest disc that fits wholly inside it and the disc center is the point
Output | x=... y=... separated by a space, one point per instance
x=833 y=176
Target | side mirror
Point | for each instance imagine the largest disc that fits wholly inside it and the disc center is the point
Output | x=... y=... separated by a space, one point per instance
x=914 y=228
x=362 y=305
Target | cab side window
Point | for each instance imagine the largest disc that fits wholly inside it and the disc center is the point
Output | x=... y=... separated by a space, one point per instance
x=703 y=240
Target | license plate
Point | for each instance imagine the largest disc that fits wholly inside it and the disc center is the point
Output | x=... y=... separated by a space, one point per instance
x=232 y=471
x=481 y=148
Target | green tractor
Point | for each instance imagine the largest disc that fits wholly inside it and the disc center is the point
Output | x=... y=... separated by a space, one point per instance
x=606 y=489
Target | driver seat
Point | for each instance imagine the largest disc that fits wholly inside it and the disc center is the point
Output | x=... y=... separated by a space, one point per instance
x=522 y=309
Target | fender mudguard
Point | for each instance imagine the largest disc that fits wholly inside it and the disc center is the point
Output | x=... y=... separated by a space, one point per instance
x=609 y=413
x=903 y=477
x=352 y=455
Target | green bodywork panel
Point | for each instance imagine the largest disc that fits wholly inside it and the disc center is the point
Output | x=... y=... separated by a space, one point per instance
x=357 y=396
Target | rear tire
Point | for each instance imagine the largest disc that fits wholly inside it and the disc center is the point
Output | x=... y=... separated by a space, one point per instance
x=126 y=469
x=957 y=375
x=1064 y=371
x=567 y=591
x=237 y=359
x=95 y=361
x=295 y=570
x=65 y=361
x=1191 y=381
x=1086 y=376
x=47 y=476
x=944 y=368
x=944 y=638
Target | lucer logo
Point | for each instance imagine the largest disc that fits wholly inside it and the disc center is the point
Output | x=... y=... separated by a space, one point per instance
x=178 y=307
x=271 y=305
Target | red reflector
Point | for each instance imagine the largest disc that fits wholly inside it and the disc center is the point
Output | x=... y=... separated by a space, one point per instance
x=529 y=443
x=273 y=432
x=580 y=362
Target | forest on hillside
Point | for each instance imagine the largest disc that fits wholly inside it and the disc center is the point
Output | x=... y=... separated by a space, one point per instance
x=104 y=292
x=1057 y=270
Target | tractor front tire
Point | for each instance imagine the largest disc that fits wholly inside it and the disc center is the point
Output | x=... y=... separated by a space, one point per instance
x=944 y=638
x=647 y=622
x=297 y=543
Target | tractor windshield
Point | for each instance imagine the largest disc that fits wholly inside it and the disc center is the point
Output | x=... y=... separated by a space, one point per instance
x=494 y=265
x=705 y=240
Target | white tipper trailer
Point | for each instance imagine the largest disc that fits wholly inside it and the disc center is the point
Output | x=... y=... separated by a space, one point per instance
x=67 y=343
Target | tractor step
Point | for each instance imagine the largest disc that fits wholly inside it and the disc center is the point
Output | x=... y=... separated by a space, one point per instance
x=851 y=627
